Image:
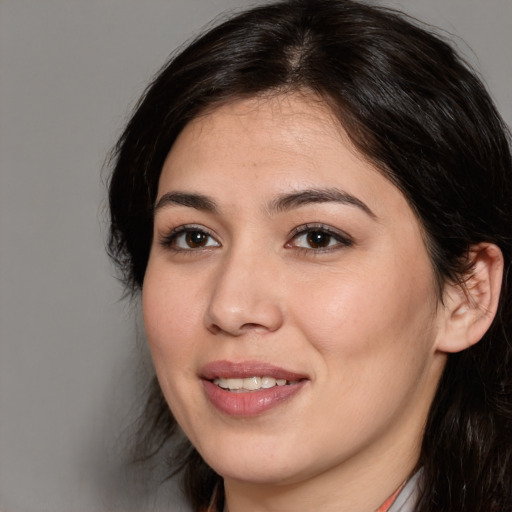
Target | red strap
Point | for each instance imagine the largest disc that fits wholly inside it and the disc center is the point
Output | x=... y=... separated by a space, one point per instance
x=387 y=504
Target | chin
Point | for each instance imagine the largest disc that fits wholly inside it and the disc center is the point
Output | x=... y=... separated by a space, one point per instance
x=256 y=463
x=272 y=462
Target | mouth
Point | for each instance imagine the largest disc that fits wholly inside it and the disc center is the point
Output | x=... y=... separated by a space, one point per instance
x=251 y=383
x=249 y=388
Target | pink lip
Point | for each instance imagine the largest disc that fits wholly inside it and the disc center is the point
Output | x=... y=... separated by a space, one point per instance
x=247 y=369
x=249 y=403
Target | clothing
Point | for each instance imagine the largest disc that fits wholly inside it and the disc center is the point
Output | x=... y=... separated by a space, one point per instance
x=387 y=504
x=406 y=499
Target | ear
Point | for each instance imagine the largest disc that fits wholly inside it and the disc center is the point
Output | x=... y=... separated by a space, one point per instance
x=470 y=307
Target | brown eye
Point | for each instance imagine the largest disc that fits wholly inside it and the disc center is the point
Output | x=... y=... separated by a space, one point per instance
x=195 y=239
x=190 y=239
x=318 y=239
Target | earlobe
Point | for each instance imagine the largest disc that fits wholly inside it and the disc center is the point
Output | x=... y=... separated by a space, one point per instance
x=470 y=307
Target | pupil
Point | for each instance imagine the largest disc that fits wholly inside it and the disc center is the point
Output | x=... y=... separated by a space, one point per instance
x=318 y=239
x=196 y=239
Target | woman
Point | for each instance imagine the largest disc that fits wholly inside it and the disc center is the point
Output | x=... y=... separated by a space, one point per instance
x=314 y=200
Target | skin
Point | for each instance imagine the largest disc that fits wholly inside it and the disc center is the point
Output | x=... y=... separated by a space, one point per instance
x=361 y=317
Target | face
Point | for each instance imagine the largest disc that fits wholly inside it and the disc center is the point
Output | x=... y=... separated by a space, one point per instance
x=289 y=301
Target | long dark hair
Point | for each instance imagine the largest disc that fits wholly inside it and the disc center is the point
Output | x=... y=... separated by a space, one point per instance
x=420 y=114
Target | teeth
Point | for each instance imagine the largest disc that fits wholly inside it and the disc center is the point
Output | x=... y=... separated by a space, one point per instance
x=268 y=382
x=250 y=383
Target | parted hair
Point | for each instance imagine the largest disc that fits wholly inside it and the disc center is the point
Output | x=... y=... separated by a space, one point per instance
x=421 y=115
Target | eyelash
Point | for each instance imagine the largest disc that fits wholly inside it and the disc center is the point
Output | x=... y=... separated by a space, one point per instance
x=168 y=241
x=341 y=239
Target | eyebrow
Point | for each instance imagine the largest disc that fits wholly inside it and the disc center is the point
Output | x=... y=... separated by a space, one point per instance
x=282 y=203
x=300 y=198
x=197 y=201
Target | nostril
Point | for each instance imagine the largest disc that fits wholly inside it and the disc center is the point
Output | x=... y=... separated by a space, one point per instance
x=250 y=326
x=244 y=328
x=214 y=329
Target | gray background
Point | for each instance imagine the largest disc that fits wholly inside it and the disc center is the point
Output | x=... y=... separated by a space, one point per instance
x=70 y=350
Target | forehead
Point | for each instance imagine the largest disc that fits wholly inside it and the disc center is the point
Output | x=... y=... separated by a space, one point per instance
x=272 y=145
x=278 y=128
x=291 y=113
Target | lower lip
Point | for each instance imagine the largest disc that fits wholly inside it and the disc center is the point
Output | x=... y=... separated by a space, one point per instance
x=249 y=403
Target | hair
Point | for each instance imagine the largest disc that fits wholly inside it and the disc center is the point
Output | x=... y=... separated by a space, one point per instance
x=418 y=112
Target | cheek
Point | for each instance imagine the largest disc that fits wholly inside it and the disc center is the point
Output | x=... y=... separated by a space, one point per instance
x=373 y=340
x=172 y=316
x=372 y=318
x=171 y=312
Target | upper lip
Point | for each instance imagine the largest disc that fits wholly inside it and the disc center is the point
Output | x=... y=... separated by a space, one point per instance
x=246 y=369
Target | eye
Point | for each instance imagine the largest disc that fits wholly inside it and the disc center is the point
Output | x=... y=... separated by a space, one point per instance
x=315 y=240
x=318 y=238
x=189 y=238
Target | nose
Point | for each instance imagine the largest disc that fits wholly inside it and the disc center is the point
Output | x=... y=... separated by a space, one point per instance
x=245 y=297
